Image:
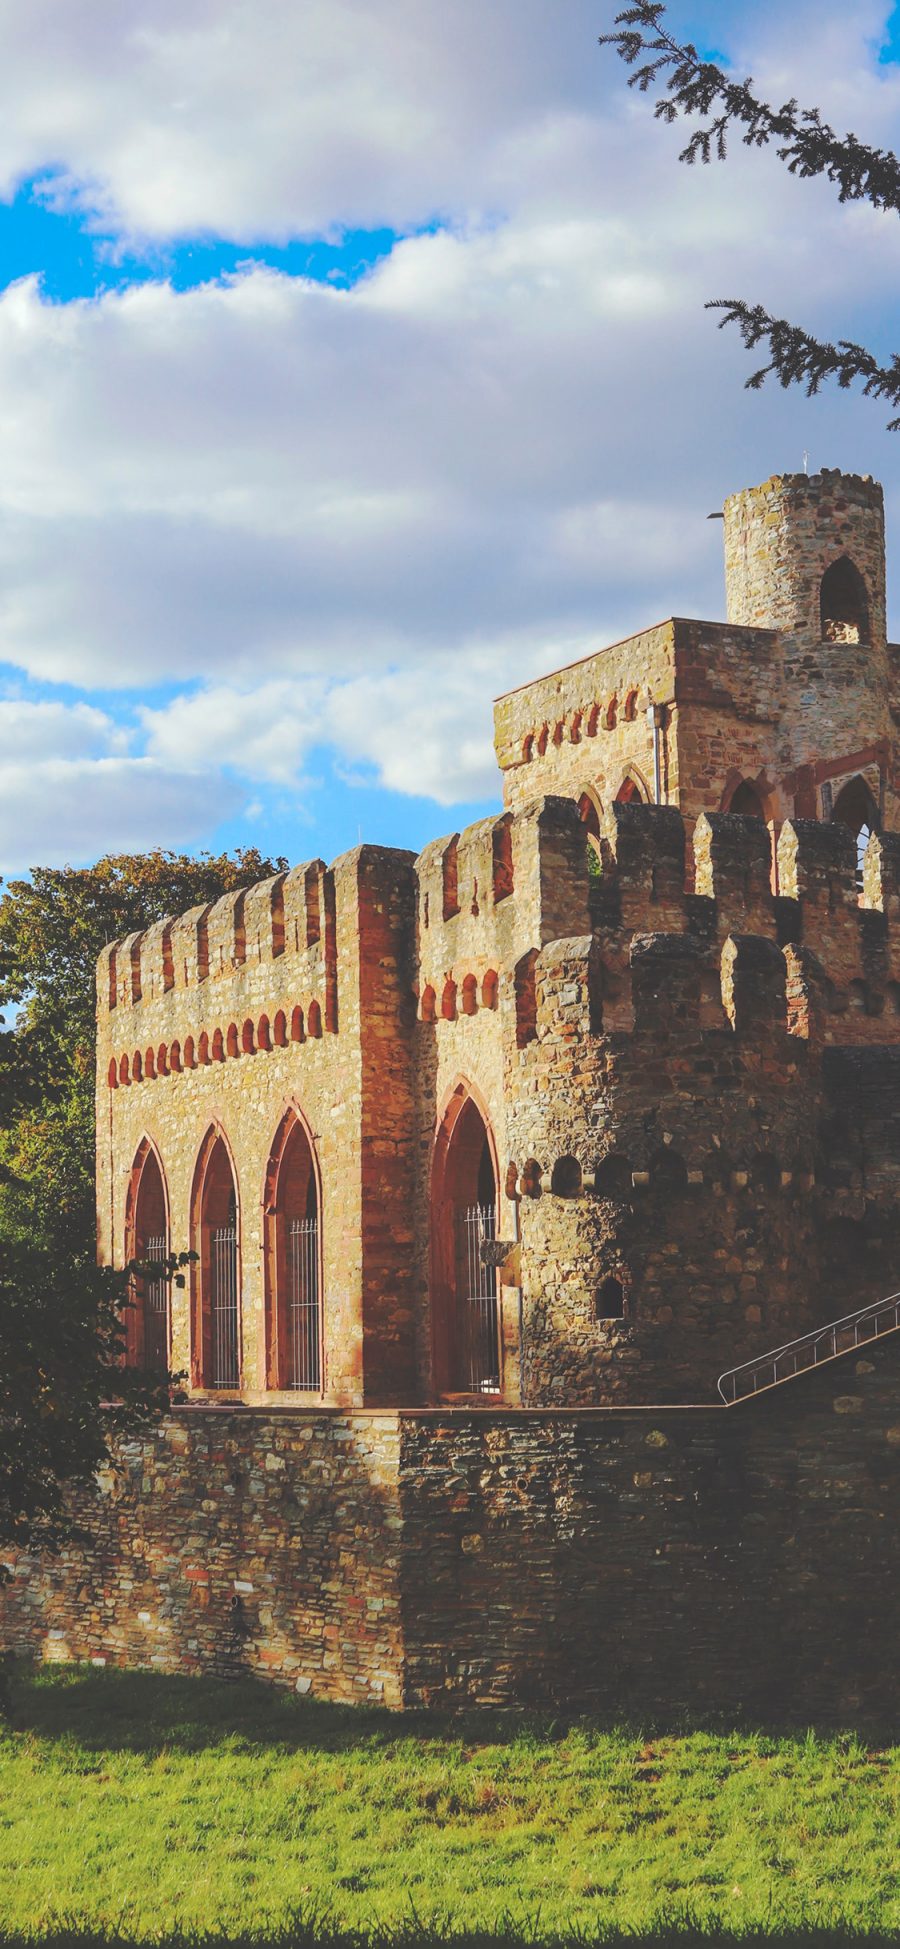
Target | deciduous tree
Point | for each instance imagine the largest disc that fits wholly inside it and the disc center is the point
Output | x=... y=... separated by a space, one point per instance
x=64 y=1393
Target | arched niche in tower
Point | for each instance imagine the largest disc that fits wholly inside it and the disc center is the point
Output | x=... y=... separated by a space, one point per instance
x=855 y=808
x=745 y=800
x=844 y=603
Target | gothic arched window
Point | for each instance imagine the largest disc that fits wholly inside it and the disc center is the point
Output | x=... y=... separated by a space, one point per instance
x=844 y=604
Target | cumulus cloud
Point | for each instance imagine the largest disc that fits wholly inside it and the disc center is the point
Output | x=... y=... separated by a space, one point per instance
x=348 y=517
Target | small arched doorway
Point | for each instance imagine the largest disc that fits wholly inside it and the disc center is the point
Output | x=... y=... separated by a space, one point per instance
x=293 y=1265
x=855 y=808
x=630 y=793
x=217 y=1336
x=147 y=1239
x=465 y=1312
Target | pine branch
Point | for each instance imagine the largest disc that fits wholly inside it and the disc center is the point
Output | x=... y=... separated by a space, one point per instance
x=686 y=86
x=690 y=86
x=795 y=358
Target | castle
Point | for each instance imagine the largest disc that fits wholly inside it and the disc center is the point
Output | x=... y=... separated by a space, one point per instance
x=495 y=1160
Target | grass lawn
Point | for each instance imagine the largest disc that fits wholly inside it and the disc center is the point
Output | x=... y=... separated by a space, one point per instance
x=148 y=1806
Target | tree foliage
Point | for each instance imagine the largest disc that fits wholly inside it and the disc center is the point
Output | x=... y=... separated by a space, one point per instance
x=687 y=85
x=52 y=928
x=63 y=1390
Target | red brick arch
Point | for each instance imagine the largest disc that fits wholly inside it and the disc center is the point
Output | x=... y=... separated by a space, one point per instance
x=215 y=1182
x=147 y=1342
x=292 y=1190
x=464 y=1173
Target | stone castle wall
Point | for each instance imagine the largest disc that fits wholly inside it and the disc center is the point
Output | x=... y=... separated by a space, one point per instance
x=654 y=1561
x=584 y=729
x=648 y=1062
x=225 y=1020
x=762 y=698
x=643 y=1042
x=782 y=536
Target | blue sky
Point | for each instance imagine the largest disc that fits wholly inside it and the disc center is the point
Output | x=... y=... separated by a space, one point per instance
x=353 y=368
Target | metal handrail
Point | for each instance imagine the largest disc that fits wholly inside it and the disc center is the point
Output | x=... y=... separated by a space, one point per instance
x=798 y=1356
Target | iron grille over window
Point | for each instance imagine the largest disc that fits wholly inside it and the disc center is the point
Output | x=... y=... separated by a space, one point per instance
x=225 y=1360
x=304 y=1338
x=156 y=1310
x=477 y=1301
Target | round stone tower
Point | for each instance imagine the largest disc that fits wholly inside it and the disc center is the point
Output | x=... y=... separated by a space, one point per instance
x=804 y=554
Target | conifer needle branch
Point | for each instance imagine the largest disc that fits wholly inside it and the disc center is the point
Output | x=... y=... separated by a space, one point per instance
x=692 y=86
x=796 y=358
x=686 y=85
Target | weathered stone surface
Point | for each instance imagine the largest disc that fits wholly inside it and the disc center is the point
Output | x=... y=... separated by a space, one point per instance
x=652 y=1049
x=648 y=1560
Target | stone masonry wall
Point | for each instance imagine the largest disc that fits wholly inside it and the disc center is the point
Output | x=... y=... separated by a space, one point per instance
x=685 y=1183
x=652 y=1562
x=269 y=1017
x=732 y=1562
x=585 y=729
x=233 y=1542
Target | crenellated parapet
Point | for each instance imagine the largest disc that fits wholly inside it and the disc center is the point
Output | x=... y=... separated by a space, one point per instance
x=256 y=970
x=489 y=897
x=833 y=921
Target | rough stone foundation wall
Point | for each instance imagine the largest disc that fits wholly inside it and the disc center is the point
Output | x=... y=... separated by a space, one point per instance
x=655 y=1561
x=233 y=1542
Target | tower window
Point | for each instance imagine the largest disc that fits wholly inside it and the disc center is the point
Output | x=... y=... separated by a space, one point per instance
x=856 y=808
x=609 y=1300
x=746 y=801
x=844 y=604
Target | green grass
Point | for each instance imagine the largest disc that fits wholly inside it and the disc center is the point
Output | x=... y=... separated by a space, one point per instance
x=145 y=1806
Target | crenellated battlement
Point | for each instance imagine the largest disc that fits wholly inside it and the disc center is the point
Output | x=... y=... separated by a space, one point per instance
x=489 y=895
x=290 y=914
x=681 y=929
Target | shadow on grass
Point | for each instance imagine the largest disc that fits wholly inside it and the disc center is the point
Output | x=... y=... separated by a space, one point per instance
x=316 y=1934
x=114 y=1710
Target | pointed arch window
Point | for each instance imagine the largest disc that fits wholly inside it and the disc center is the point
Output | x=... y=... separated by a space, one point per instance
x=147 y=1240
x=217 y=1335
x=855 y=808
x=465 y=1309
x=745 y=800
x=293 y=1262
x=844 y=603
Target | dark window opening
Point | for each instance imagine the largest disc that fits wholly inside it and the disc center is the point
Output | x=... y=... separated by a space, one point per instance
x=464 y=1223
x=855 y=808
x=609 y=1301
x=746 y=801
x=844 y=604
x=293 y=1284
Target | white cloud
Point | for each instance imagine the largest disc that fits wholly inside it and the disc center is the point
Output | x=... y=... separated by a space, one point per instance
x=58 y=813
x=263 y=733
x=68 y=792
x=350 y=517
x=34 y=732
